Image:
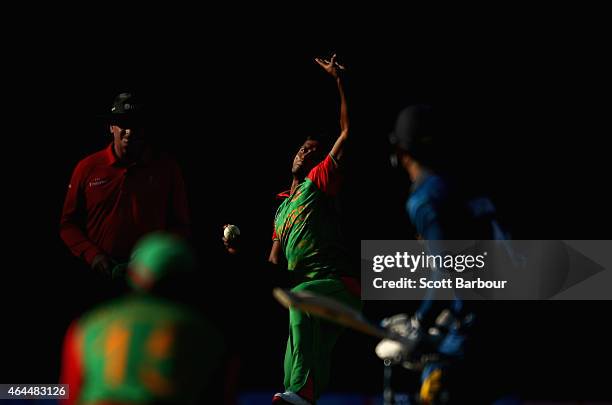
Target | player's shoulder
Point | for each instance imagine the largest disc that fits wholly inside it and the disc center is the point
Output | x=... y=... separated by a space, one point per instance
x=436 y=186
x=328 y=163
x=102 y=314
x=93 y=160
x=166 y=161
x=426 y=196
x=431 y=189
x=129 y=308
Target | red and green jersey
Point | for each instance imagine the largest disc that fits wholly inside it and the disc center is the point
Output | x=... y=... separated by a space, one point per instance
x=139 y=349
x=307 y=228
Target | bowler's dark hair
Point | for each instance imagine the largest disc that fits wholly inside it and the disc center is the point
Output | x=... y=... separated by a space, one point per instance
x=324 y=139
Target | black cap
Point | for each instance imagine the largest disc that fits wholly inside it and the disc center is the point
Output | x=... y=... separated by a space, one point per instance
x=126 y=104
x=127 y=109
x=415 y=131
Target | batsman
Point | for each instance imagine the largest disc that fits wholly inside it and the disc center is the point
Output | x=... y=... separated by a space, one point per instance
x=308 y=240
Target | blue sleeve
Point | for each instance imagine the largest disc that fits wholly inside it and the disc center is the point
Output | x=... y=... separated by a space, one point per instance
x=426 y=220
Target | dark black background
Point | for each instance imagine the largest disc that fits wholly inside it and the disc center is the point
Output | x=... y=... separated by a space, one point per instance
x=233 y=103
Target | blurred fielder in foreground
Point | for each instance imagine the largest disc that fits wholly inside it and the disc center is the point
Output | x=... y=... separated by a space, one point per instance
x=146 y=347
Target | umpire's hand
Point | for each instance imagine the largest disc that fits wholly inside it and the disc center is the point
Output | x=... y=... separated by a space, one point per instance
x=102 y=264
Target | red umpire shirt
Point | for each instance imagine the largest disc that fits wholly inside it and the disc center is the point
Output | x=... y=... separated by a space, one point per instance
x=110 y=205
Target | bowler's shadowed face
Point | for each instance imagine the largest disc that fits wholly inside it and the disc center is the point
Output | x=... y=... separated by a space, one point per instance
x=307 y=158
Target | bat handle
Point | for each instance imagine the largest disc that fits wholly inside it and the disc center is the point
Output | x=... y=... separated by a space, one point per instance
x=388 y=394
